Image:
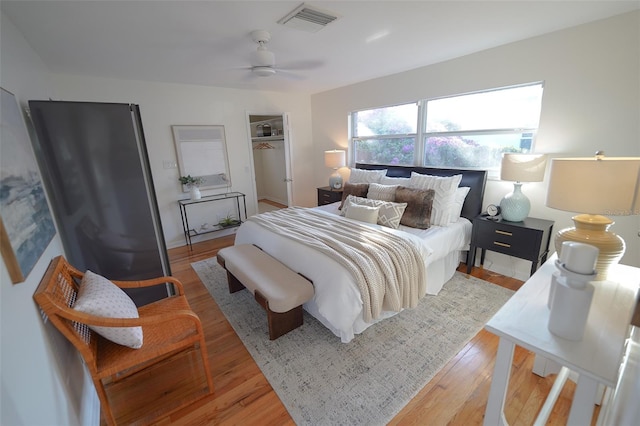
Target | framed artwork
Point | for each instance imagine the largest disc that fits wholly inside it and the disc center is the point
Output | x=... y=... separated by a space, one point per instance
x=202 y=153
x=26 y=225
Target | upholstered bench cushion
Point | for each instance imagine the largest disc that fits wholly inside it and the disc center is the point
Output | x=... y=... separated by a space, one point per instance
x=255 y=269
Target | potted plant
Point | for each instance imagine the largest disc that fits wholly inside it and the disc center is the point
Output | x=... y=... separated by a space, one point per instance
x=192 y=183
x=228 y=220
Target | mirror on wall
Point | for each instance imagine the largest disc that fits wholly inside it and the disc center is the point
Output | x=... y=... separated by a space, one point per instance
x=202 y=153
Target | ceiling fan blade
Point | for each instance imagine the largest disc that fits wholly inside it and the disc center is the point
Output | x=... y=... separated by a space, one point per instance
x=289 y=75
x=301 y=65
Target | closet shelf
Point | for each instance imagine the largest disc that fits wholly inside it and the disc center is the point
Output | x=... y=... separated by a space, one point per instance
x=267 y=138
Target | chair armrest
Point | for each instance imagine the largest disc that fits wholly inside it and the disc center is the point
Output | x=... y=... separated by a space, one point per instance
x=153 y=281
x=93 y=320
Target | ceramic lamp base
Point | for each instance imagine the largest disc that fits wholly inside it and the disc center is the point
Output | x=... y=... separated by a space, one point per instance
x=594 y=230
x=335 y=181
x=515 y=206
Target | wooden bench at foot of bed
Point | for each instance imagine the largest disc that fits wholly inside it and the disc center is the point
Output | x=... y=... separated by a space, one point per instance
x=278 y=289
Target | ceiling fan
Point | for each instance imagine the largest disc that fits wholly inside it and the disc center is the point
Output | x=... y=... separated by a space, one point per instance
x=263 y=61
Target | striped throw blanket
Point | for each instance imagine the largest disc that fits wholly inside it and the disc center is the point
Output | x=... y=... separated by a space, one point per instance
x=388 y=269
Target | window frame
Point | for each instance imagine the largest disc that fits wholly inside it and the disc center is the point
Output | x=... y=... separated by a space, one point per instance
x=421 y=136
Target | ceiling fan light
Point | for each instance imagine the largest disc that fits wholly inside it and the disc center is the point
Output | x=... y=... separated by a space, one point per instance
x=263 y=71
x=264 y=58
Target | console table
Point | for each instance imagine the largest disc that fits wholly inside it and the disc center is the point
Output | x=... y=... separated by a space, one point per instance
x=596 y=358
x=191 y=232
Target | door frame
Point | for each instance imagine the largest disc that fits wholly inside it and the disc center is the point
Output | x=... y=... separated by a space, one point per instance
x=286 y=130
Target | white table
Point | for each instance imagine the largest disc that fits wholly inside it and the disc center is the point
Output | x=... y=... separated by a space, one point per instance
x=596 y=358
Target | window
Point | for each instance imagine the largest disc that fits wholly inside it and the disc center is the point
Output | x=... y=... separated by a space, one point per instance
x=385 y=135
x=463 y=131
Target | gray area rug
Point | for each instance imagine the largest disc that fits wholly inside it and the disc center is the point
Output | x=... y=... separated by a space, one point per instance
x=322 y=381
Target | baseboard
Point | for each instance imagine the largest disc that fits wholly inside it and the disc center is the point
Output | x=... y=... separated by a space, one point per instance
x=90 y=405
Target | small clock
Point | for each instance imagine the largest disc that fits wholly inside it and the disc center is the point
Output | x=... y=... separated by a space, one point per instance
x=493 y=210
x=337 y=185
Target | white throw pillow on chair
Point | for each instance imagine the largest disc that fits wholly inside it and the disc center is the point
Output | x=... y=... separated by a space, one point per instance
x=100 y=297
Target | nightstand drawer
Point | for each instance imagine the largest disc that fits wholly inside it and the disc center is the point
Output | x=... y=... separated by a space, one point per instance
x=514 y=241
x=328 y=196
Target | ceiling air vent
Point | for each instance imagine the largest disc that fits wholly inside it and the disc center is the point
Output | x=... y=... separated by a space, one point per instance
x=308 y=19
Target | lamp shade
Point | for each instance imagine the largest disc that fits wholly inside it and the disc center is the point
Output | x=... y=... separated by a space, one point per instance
x=335 y=159
x=595 y=187
x=523 y=167
x=608 y=186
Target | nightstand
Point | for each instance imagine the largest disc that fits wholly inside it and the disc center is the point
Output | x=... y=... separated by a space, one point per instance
x=527 y=240
x=326 y=195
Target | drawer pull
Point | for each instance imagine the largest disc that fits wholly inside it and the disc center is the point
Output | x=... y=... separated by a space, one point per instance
x=504 y=233
x=502 y=244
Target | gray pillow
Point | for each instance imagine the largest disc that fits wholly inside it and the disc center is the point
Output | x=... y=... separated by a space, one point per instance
x=355 y=189
x=419 y=203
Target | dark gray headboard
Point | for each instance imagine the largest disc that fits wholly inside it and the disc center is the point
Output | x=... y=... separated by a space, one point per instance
x=474 y=179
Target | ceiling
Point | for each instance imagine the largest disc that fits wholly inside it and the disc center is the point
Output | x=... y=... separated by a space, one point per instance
x=209 y=42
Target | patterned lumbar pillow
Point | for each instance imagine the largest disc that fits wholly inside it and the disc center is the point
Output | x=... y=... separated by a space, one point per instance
x=389 y=214
x=419 y=203
x=382 y=192
x=99 y=296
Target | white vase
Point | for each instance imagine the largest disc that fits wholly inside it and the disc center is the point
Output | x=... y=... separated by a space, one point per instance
x=195 y=193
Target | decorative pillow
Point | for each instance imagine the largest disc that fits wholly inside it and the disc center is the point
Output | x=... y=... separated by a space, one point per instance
x=99 y=296
x=357 y=189
x=382 y=192
x=459 y=197
x=389 y=214
x=362 y=213
x=386 y=180
x=366 y=176
x=419 y=205
x=445 y=189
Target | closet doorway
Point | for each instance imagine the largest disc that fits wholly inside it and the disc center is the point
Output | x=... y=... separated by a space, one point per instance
x=271 y=160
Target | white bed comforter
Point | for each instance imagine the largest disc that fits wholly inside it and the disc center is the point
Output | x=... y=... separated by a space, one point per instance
x=337 y=302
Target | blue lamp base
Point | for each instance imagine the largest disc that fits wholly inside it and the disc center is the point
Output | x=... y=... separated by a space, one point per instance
x=515 y=206
x=335 y=181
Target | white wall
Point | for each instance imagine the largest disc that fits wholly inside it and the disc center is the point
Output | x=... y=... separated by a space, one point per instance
x=163 y=105
x=591 y=101
x=42 y=378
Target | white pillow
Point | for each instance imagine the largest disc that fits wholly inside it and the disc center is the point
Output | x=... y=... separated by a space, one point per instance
x=386 y=180
x=362 y=213
x=99 y=296
x=459 y=197
x=366 y=176
x=382 y=192
x=389 y=214
x=443 y=202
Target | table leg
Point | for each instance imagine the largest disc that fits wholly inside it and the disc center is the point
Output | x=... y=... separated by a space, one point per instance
x=494 y=413
x=582 y=405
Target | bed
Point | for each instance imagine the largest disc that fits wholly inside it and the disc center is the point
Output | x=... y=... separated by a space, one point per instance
x=337 y=302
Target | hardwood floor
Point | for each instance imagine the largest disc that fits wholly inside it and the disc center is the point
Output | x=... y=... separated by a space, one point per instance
x=456 y=395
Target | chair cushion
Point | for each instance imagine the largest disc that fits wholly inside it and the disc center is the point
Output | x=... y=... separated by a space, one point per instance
x=100 y=297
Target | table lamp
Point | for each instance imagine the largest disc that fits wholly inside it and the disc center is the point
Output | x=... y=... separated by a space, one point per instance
x=595 y=187
x=519 y=168
x=335 y=159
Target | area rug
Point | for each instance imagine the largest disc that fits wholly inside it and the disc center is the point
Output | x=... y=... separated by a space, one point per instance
x=322 y=381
